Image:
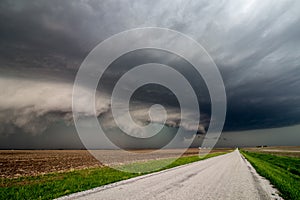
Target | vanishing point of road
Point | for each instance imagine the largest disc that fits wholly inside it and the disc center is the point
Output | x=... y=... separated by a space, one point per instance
x=227 y=176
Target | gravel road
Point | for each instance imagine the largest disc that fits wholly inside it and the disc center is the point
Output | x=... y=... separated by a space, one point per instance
x=228 y=176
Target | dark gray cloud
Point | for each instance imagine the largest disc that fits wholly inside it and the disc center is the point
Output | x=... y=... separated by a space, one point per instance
x=255 y=45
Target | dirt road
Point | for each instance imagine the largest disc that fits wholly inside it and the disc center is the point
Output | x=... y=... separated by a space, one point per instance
x=228 y=176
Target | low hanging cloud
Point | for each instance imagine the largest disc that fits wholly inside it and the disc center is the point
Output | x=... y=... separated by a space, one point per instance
x=32 y=105
x=142 y=117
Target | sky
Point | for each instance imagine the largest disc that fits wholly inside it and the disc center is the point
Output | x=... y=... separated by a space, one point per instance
x=255 y=45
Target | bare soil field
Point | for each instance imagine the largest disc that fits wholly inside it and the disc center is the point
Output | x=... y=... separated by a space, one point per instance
x=17 y=163
x=292 y=151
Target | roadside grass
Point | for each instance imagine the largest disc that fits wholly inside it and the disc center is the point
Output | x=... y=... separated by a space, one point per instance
x=54 y=185
x=282 y=171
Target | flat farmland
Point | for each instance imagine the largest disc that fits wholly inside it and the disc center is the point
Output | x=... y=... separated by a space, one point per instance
x=280 y=165
x=16 y=163
x=291 y=151
x=19 y=163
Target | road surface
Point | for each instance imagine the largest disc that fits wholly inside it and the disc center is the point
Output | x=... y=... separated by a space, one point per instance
x=228 y=176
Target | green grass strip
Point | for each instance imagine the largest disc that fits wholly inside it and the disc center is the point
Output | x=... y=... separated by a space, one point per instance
x=282 y=171
x=54 y=185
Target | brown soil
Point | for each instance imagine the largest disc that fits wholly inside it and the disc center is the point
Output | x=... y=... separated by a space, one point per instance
x=17 y=163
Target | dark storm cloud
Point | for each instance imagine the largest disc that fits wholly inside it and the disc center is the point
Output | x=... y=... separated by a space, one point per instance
x=59 y=34
x=255 y=45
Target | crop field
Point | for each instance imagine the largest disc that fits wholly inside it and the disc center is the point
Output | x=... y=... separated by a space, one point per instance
x=282 y=171
x=18 y=163
x=291 y=151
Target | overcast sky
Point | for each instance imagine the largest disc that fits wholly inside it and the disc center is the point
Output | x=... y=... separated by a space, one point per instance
x=255 y=45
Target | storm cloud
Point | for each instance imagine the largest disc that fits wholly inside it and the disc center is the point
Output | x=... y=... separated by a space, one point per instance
x=255 y=44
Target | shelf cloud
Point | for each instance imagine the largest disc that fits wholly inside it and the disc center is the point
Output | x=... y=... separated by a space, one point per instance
x=255 y=45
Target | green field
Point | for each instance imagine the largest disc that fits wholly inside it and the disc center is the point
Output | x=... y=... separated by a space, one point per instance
x=282 y=171
x=54 y=185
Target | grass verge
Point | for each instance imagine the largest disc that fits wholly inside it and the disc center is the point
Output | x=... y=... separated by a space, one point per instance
x=54 y=185
x=282 y=171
